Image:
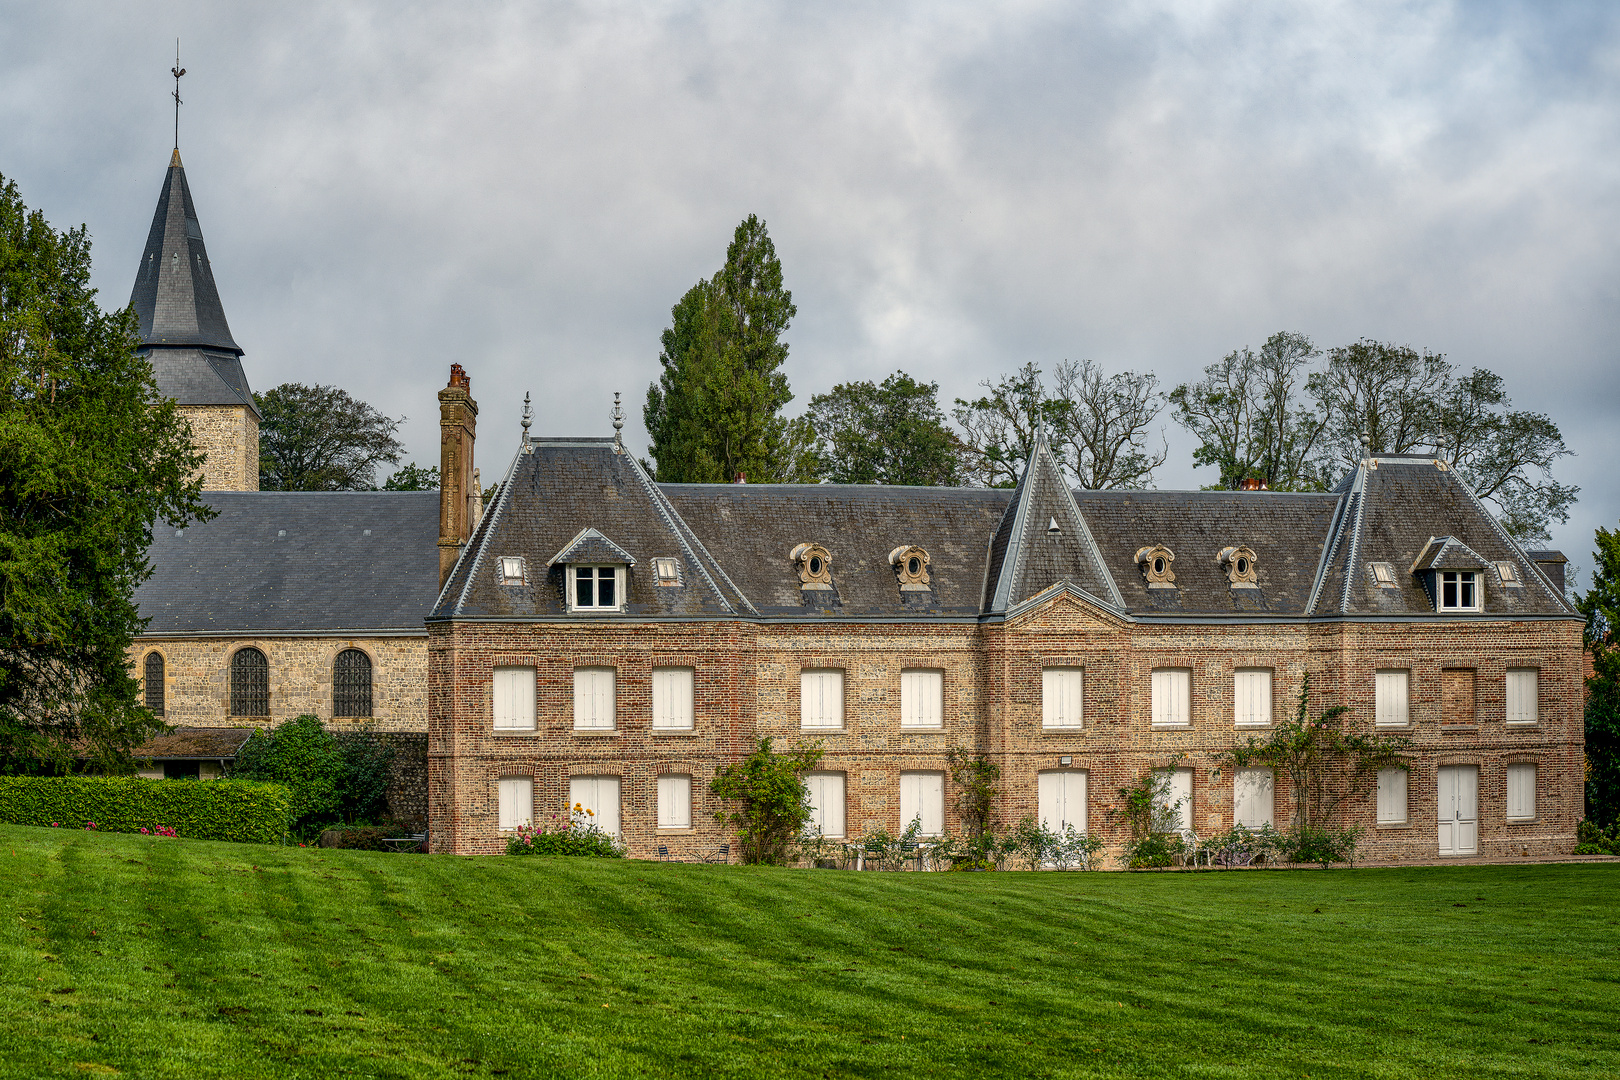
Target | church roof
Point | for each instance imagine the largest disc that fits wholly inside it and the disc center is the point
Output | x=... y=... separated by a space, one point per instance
x=182 y=322
x=296 y=562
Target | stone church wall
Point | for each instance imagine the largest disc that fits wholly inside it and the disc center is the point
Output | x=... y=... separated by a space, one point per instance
x=229 y=436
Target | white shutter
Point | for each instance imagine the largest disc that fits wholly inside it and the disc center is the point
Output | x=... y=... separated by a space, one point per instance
x=1251 y=694
x=1521 y=792
x=600 y=795
x=1062 y=799
x=922 y=798
x=514 y=698
x=1390 y=694
x=1392 y=796
x=922 y=699
x=674 y=802
x=821 y=699
x=515 y=801
x=826 y=803
x=593 y=698
x=1252 y=793
x=1061 y=696
x=1171 y=688
x=1179 y=796
x=1523 y=693
x=672 y=698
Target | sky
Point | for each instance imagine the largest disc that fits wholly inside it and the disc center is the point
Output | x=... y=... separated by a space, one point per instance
x=953 y=189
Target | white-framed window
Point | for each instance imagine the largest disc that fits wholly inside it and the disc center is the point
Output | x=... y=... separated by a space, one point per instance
x=1174 y=811
x=922 y=798
x=1521 y=791
x=1523 y=695
x=1172 y=690
x=599 y=795
x=922 y=698
x=595 y=588
x=1392 y=796
x=674 y=801
x=511 y=570
x=1251 y=697
x=514 y=698
x=1062 y=697
x=1459 y=590
x=514 y=801
x=826 y=803
x=593 y=699
x=1061 y=796
x=1391 y=697
x=1252 y=798
x=821 y=699
x=672 y=689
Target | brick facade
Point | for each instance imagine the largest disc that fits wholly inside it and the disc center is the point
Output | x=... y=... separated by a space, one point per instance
x=229 y=436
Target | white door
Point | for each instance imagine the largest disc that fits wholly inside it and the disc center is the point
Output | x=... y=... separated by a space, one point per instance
x=599 y=795
x=1062 y=798
x=1459 y=809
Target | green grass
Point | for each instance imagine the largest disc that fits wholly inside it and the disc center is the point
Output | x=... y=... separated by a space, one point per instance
x=188 y=959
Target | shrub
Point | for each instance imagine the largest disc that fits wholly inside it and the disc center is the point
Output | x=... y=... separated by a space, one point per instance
x=1320 y=844
x=1593 y=839
x=368 y=760
x=358 y=837
x=198 y=810
x=1155 y=851
x=768 y=803
x=302 y=756
x=577 y=835
x=975 y=778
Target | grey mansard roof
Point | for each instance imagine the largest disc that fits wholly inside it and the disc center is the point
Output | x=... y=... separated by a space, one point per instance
x=298 y=562
x=992 y=551
x=182 y=322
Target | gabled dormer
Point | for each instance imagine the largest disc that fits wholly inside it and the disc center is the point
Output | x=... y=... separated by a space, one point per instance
x=1452 y=574
x=595 y=572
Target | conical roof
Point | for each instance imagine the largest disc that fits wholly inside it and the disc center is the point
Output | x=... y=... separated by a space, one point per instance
x=182 y=322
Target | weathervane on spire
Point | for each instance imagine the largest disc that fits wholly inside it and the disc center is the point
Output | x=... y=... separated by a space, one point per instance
x=618 y=425
x=177 y=71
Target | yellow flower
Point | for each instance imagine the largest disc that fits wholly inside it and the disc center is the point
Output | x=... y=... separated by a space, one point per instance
x=590 y=813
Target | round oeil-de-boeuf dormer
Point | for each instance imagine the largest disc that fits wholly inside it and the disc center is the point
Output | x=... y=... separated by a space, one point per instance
x=814 y=566
x=1155 y=561
x=911 y=568
x=1238 y=563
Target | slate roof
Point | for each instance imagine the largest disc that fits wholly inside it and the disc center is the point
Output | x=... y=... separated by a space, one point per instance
x=195 y=744
x=182 y=322
x=296 y=562
x=1447 y=553
x=591 y=546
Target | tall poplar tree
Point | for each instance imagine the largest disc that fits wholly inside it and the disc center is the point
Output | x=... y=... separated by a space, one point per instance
x=715 y=413
x=91 y=456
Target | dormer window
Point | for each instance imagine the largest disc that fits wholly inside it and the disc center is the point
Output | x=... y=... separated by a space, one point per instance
x=511 y=570
x=814 y=565
x=1238 y=562
x=595 y=588
x=1155 y=563
x=667 y=571
x=1383 y=574
x=1459 y=590
x=911 y=567
x=1509 y=574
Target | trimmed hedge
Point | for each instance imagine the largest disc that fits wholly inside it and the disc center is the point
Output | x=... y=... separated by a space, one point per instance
x=246 y=812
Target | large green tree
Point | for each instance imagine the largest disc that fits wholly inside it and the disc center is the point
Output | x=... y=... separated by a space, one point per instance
x=91 y=457
x=318 y=438
x=1601 y=606
x=715 y=413
x=891 y=432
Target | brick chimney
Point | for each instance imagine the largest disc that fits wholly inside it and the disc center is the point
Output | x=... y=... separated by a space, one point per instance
x=459 y=497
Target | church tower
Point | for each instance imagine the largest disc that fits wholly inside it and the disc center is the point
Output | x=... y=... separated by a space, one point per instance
x=184 y=334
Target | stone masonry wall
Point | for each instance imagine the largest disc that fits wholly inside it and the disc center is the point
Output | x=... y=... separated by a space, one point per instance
x=229 y=436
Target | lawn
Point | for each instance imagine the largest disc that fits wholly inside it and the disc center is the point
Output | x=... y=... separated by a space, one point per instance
x=190 y=959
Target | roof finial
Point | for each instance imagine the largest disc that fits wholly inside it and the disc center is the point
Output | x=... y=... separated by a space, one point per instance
x=177 y=71
x=618 y=425
x=528 y=417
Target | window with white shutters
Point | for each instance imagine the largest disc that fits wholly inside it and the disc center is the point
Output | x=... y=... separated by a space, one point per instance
x=1061 y=795
x=1172 y=688
x=826 y=803
x=1391 y=706
x=922 y=799
x=1173 y=810
x=1392 y=796
x=1252 y=798
x=600 y=796
x=674 y=801
x=672 y=689
x=1523 y=693
x=514 y=699
x=1521 y=792
x=593 y=699
x=922 y=698
x=1251 y=695
x=1061 y=697
x=515 y=801
x=821 y=699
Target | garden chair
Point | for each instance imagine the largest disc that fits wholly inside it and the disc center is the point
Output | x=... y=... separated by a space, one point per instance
x=417 y=841
x=1189 y=848
x=721 y=854
x=663 y=854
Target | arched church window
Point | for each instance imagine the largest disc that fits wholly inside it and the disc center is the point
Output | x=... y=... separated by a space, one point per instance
x=154 y=682
x=351 y=684
x=250 y=683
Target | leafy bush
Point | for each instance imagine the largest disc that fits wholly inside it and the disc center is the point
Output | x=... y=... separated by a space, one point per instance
x=768 y=803
x=199 y=810
x=1155 y=851
x=1593 y=839
x=1240 y=846
x=358 y=837
x=368 y=761
x=332 y=777
x=975 y=777
x=577 y=835
x=1320 y=844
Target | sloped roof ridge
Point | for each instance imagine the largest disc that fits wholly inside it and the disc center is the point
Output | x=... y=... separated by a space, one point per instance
x=688 y=540
x=1353 y=556
x=1513 y=545
x=501 y=500
x=1089 y=545
x=1324 y=560
x=1018 y=511
x=588 y=533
